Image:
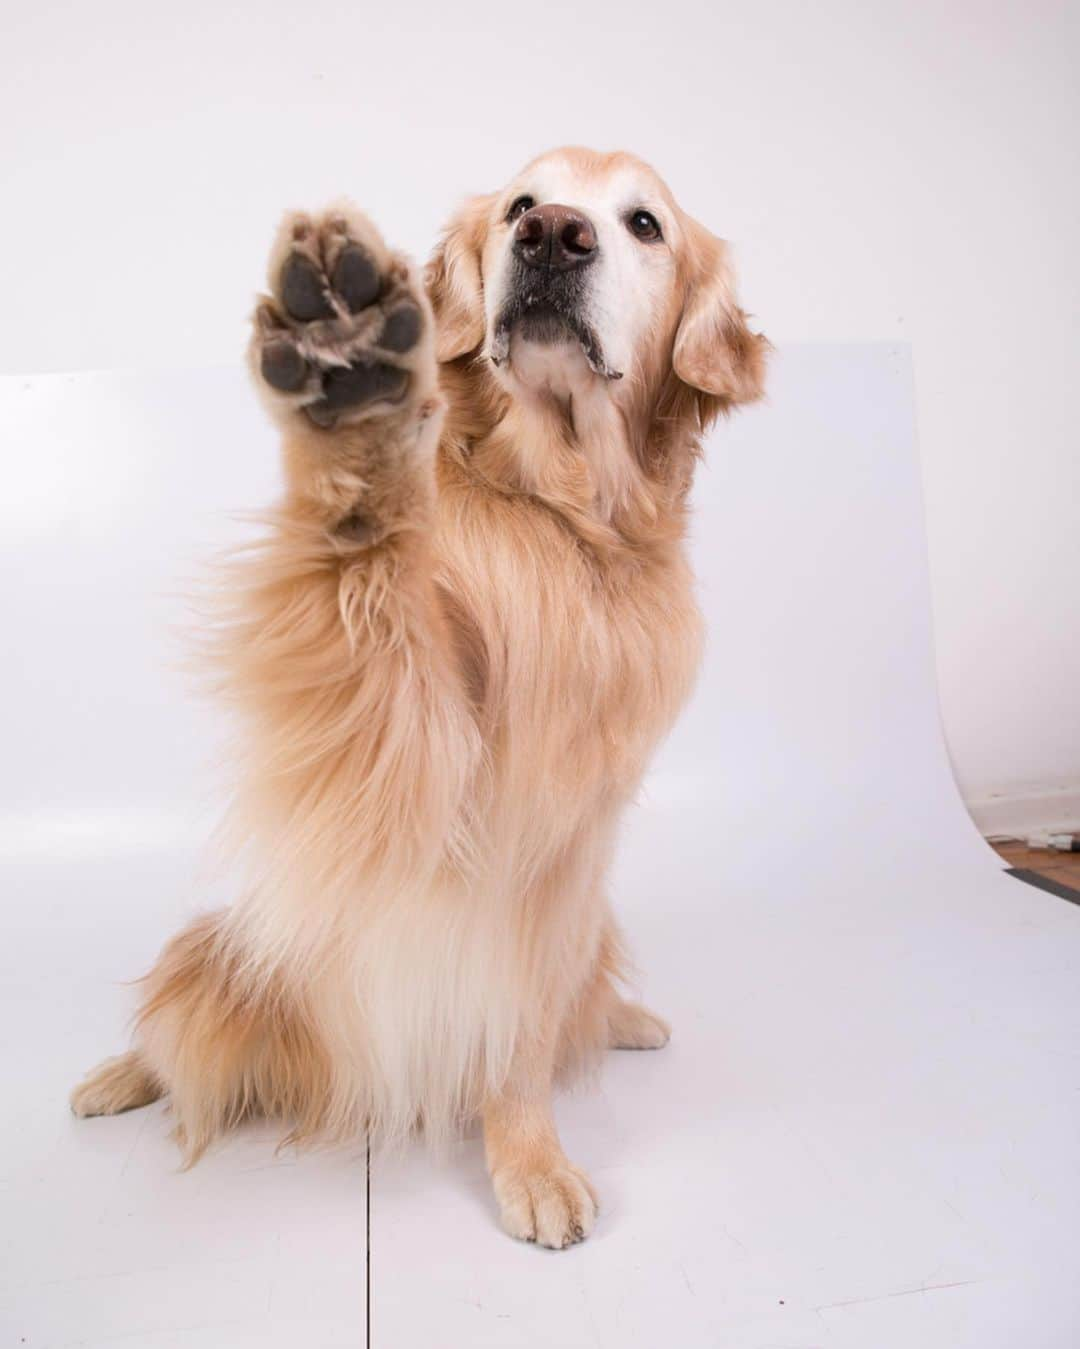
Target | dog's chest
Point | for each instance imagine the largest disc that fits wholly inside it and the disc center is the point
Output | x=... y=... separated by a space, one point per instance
x=586 y=662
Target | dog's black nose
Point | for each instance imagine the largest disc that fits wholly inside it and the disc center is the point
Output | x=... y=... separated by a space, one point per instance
x=554 y=237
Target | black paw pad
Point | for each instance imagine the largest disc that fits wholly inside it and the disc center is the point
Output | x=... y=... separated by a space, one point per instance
x=282 y=366
x=303 y=291
x=402 y=329
x=362 y=383
x=357 y=384
x=355 y=278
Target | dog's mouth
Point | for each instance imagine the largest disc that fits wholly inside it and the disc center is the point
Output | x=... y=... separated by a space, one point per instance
x=542 y=314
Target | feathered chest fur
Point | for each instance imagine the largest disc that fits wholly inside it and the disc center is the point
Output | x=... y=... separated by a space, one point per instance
x=577 y=658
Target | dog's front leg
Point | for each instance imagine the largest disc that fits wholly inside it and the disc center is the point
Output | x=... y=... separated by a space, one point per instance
x=338 y=649
x=541 y=1196
x=343 y=352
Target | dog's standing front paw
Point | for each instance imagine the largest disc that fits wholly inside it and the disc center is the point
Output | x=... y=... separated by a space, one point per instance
x=552 y=1205
x=346 y=332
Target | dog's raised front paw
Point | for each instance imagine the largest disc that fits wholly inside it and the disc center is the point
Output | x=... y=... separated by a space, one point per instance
x=346 y=332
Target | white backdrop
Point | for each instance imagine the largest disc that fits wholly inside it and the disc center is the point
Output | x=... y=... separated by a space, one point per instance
x=863 y=1131
x=888 y=169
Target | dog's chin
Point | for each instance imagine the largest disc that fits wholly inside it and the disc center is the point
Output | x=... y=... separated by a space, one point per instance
x=527 y=325
x=545 y=327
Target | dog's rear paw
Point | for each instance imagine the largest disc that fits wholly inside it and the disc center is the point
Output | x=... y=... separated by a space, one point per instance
x=554 y=1206
x=635 y=1027
x=346 y=330
x=122 y=1083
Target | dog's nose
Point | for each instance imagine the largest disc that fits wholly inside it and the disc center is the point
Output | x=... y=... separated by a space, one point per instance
x=554 y=237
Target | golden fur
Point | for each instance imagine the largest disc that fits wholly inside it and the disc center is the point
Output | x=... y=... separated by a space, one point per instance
x=465 y=629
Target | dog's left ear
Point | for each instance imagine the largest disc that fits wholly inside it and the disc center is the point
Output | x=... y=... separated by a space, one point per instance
x=455 y=284
x=715 y=351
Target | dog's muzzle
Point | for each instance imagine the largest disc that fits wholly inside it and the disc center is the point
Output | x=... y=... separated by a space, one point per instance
x=552 y=249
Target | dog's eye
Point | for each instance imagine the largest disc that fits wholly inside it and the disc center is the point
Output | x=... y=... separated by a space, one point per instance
x=644 y=225
x=520 y=206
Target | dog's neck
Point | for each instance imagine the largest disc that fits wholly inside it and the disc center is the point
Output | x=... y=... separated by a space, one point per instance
x=572 y=447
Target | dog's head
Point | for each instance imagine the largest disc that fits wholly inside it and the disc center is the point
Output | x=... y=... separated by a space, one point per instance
x=583 y=279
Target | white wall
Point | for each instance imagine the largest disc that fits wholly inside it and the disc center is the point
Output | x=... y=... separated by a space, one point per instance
x=886 y=170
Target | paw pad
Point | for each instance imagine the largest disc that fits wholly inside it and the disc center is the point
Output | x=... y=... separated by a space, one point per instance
x=355 y=385
x=402 y=329
x=302 y=290
x=355 y=279
x=340 y=329
x=282 y=366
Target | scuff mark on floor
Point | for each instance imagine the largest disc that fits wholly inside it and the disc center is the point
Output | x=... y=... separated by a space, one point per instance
x=903 y=1292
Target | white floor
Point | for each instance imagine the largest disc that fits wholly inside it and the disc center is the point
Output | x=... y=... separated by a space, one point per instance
x=864 y=1131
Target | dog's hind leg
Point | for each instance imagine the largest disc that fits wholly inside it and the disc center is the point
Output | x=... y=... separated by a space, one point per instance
x=222 y=1046
x=602 y=1018
x=118 y=1084
x=229 y=1044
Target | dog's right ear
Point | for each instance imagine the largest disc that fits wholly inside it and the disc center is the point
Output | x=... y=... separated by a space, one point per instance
x=455 y=282
x=715 y=351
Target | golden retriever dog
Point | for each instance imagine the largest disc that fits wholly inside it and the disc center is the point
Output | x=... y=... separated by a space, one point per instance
x=462 y=635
